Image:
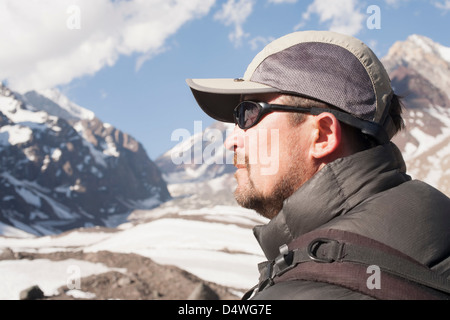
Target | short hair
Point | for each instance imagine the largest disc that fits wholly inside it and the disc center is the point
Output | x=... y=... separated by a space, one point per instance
x=362 y=141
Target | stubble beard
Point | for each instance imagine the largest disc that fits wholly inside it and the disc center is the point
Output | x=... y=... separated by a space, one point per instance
x=248 y=195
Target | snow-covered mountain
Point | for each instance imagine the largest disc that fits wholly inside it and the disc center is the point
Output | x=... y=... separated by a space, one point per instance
x=420 y=72
x=199 y=158
x=429 y=59
x=62 y=168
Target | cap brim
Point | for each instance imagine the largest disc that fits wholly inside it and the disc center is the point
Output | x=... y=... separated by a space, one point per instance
x=219 y=97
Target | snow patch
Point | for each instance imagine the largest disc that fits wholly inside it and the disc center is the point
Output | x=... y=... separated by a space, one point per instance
x=75 y=110
x=78 y=294
x=421 y=42
x=225 y=253
x=17 y=275
x=15 y=134
x=9 y=231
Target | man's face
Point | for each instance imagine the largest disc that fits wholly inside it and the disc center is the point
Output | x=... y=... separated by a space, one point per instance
x=272 y=159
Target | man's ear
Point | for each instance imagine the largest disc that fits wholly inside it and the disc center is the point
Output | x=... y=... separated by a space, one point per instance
x=327 y=136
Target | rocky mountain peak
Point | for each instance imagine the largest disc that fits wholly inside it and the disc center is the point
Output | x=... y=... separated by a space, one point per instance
x=429 y=59
x=56 y=103
x=63 y=168
x=419 y=69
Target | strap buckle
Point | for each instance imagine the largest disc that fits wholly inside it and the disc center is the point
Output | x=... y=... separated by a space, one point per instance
x=284 y=260
x=324 y=250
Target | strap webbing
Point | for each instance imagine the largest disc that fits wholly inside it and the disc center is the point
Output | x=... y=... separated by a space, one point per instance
x=342 y=258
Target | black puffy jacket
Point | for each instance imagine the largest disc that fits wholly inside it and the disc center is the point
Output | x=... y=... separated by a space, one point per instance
x=368 y=193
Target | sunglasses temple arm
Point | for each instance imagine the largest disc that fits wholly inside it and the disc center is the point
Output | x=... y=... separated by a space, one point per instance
x=366 y=127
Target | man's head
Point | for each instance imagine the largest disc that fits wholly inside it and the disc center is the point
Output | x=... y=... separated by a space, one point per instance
x=341 y=102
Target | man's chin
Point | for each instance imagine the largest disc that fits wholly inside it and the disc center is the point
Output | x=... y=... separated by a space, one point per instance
x=248 y=198
x=244 y=193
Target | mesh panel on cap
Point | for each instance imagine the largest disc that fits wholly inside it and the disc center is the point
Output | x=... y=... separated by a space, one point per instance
x=323 y=71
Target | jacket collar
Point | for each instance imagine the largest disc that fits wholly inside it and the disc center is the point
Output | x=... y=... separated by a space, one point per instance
x=333 y=191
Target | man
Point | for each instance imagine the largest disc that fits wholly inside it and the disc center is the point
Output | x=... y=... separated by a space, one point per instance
x=346 y=221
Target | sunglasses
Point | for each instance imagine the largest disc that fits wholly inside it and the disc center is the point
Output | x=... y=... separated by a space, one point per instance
x=248 y=113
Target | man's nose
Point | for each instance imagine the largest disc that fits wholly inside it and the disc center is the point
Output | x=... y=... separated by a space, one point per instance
x=235 y=139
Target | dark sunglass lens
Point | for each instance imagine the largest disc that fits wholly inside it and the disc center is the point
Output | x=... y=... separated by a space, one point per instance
x=246 y=114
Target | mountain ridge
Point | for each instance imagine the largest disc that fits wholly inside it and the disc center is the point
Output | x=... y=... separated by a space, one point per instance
x=429 y=59
x=68 y=170
x=420 y=72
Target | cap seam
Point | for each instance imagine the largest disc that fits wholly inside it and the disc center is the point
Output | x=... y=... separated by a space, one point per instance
x=268 y=51
x=325 y=42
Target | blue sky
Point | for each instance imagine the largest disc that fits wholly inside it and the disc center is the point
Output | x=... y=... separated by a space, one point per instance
x=127 y=61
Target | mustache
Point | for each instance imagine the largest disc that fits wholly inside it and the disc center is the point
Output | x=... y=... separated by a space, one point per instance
x=239 y=161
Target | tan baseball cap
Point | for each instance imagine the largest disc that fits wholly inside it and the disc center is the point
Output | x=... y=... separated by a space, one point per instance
x=330 y=67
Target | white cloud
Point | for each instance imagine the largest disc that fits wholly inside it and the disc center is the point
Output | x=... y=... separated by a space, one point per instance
x=395 y=3
x=235 y=13
x=39 y=50
x=373 y=44
x=259 y=41
x=282 y=1
x=444 y=6
x=103 y=94
x=344 y=15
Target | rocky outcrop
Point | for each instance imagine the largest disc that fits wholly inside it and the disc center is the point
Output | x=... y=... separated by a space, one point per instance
x=139 y=278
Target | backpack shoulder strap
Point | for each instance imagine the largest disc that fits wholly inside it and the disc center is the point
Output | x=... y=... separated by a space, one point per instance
x=356 y=262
